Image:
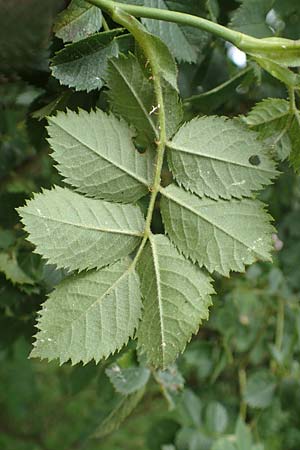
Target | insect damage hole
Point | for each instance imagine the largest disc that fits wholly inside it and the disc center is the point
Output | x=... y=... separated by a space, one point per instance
x=254 y=160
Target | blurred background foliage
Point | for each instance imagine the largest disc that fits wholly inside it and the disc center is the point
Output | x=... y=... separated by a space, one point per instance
x=243 y=366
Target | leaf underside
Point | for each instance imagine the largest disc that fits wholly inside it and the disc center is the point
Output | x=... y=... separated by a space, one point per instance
x=79 y=233
x=222 y=235
x=113 y=169
x=212 y=156
x=176 y=300
x=90 y=316
x=78 y=21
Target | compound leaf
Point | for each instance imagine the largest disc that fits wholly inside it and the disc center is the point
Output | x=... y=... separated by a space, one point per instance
x=83 y=64
x=78 y=21
x=176 y=300
x=122 y=410
x=113 y=169
x=129 y=379
x=76 y=232
x=217 y=157
x=221 y=235
x=89 y=316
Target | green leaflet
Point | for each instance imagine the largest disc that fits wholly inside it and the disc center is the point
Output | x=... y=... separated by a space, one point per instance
x=122 y=410
x=78 y=21
x=76 y=232
x=128 y=380
x=113 y=169
x=278 y=71
x=267 y=111
x=250 y=18
x=11 y=269
x=176 y=300
x=294 y=135
x=212 y=156
x=132 y=97
x=222 y=235
x=89 y=316
x=259 y=389
x=272 y=119
x=83 y=64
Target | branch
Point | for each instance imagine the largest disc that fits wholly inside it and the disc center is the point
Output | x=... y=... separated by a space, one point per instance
x=243 y=41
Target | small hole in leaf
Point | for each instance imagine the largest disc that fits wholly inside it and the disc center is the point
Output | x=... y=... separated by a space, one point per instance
x=140 y=148
x=254 y=160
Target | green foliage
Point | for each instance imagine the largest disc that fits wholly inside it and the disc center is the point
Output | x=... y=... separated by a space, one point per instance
x=75 y=224
x=251 y=18
x=78 y=21
x=169 y=284
x=117 y=173
x=222 y=235
x=96 y=326
x=83 y=64
x=235 y=174
x=146 y=207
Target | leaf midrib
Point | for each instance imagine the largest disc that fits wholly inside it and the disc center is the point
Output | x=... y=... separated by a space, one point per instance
x=123 y=169
x=87 y=227
x=159 y=297
x=197 y=213
x=140 y=103
x=98 y=299
x=172 y=146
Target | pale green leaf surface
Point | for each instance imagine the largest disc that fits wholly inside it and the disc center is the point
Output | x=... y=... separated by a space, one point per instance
x=259 y=390
x=243 y=436
x=250 y=18
x=89 y=316
x=95 y=154
x=224 y=444
x=77 y=232
x=221 y=235
x=216 y=418
x=176 y=300
x=266 y=111
x=132 y=96
x=122 y=410
x=212 y=156
x=78 y=21
x=83 y=64
x=277 y=70
x=127 y=380
x=11 y=269
x=271 y=119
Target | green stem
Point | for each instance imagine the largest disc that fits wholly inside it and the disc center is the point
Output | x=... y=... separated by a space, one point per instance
x=105 y=24
x=279 y=325
x=242 y=41
x=171 y=16
x=242 y=383
x=293 y=105
x=137 y=30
